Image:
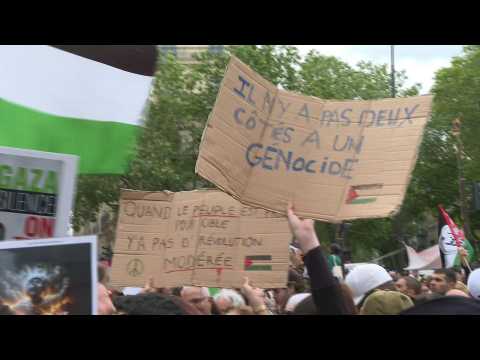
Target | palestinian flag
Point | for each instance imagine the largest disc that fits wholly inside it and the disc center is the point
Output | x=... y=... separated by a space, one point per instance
x=450 y=238
x=85 y=100
x=258 y=263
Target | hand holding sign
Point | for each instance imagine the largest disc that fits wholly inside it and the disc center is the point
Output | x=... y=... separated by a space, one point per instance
x=149 y=286
x=303 y=230
x=255 y=296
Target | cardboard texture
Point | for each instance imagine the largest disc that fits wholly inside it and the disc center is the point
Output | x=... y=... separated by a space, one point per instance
x=202 y=238
x=335 y=160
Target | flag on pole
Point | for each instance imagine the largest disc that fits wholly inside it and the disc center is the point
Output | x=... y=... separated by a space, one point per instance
x=450 y=238
x=85 y=100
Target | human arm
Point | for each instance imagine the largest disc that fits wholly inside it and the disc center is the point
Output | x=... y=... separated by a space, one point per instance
x=326 y=290
x=255 y=297
x=464 y=262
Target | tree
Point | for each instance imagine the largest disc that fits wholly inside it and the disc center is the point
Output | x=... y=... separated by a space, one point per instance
x=456 y=92
x=330 y=78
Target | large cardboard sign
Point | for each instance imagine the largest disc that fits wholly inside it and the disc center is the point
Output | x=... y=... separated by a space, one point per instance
x=335 y=160
x=203 y=238
x=49 y=276
x=36 y=193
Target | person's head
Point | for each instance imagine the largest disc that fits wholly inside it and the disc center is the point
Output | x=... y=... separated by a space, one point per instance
x=348 y=299
x=425 y=288
x=296 y=258
x=176 y=291
x=382 y=302
x=270 y=301
x=423 y=298
x=105 y=305
x=227 y=299
x=295 y=285
x=198 y=297
x=293 y=301
x=335 y=249
x=241 y=310
x=409 y=286
x=365 y=278
x=442 y=281
x=461 y=286
x=473 y=284
x=456 y=292
x=154 y=303
x=102 y=273
x=307 y=305
x=460 y=275
x=394 y=275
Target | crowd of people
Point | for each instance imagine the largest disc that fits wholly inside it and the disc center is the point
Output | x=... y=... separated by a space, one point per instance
x=313 y=288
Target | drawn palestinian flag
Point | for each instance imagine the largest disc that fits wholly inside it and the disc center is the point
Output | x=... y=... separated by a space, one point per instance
x=258 y=263
x=360 y=195
x=85 y=100
x=450 y=237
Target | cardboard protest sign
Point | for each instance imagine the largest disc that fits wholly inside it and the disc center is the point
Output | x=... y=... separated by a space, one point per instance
x=49 y=276
x=203 y=238
x=335 y=160
x=36 y=193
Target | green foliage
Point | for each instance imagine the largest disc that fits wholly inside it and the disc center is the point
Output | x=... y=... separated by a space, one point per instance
x=456 y=94
x=330 y=78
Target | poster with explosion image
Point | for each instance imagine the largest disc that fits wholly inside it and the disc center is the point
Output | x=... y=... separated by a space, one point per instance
x=49 y=276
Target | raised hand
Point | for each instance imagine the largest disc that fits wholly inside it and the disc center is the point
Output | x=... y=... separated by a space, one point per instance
x=303 y=230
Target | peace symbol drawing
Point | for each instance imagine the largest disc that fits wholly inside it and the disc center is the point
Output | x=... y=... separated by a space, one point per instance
x=135 y=267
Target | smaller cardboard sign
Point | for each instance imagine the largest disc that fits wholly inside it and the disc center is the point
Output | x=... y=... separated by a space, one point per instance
x=202 y=238
x=49 y=276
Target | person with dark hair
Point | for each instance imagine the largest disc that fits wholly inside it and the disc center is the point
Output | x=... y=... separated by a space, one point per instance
x=443 y=280
x=335 y=263
x=409 y=286
x=177 y=291
x=348 y=299
x=154 y=304
x=423 y=298
x=295 y=285
x=446 y=305
x=307 y=305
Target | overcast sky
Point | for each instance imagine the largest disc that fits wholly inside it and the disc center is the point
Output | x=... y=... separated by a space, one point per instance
x=419 y=61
